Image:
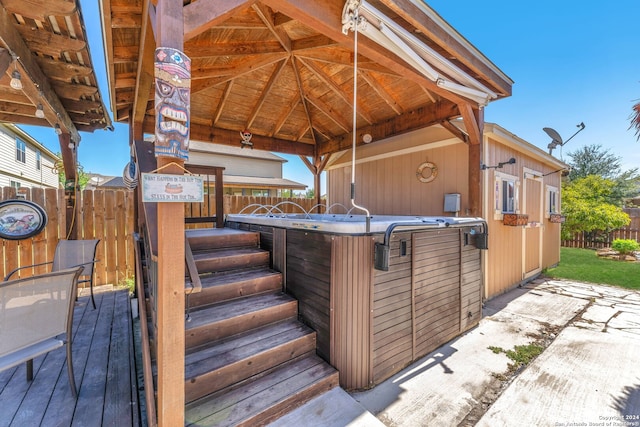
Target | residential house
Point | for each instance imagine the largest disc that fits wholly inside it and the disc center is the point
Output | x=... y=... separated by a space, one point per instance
x=247 y=172
x=25 y=162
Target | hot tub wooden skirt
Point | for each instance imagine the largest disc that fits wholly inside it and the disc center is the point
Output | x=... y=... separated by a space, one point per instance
x=370 y=324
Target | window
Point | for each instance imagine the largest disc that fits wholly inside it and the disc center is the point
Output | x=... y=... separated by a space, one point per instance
x=21 y=151
x=38 y=160
x=505 y=194
x=14 y=184
x=552 y=201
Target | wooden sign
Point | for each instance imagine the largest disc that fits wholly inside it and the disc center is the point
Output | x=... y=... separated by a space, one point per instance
x=172 y=188
x=515 y=219
x=21 y=219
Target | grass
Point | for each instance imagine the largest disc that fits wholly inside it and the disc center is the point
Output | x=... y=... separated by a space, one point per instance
x=585 y=266
x=521 y=355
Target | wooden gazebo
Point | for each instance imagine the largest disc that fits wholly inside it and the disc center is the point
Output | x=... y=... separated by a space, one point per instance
x=46 y=74
x=283 y=70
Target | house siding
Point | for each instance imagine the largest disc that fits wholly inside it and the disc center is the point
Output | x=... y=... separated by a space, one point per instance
x=25 y=173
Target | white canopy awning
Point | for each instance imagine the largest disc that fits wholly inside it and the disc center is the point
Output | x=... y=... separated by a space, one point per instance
x=381 y=29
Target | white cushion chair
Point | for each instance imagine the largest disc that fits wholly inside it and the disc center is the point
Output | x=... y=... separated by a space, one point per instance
x=34 y=313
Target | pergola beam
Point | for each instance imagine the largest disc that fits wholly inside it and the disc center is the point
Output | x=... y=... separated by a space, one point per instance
x=35 y=84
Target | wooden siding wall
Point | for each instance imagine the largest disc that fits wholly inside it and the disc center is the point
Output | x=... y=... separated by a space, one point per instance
x=308 y=275
x=428 y=296
x=25 y=173
x=102 y=214
x=503 y=260
x=389 y=186
x=351 y=314
x=392 y=312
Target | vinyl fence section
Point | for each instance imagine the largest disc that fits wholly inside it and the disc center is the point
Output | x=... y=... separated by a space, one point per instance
x=107 y=215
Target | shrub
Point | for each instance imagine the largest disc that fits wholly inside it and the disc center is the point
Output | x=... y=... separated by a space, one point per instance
x=625 y=246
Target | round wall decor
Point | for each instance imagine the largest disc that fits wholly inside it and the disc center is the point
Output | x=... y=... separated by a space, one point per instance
x=21 y=219
x=427 y=172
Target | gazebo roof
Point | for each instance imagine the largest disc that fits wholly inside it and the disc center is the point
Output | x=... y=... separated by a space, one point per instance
x=45 y=42
x=284 y=71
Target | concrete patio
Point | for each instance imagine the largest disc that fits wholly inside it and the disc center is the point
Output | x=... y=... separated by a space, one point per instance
x=587 y=373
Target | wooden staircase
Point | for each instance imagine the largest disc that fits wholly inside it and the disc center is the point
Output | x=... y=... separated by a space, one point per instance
x=248 y=359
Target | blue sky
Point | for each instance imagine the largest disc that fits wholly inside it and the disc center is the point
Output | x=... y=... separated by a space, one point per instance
x=570 y=63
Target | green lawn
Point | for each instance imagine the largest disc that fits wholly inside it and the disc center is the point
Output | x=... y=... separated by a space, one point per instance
x=585 y=266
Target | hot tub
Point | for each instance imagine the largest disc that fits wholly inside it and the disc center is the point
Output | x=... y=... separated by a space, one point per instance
x=380 y=293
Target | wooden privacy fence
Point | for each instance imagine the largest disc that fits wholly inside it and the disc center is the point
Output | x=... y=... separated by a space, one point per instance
x=107 y=215
x=604 y=240
x=247 y=204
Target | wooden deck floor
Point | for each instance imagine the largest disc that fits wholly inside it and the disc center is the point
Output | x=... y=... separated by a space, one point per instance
x=104 y=364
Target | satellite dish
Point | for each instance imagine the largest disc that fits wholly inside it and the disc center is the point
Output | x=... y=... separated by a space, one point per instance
x=555 y=136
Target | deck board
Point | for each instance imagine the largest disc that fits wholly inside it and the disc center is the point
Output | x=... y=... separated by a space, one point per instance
x=103 y=360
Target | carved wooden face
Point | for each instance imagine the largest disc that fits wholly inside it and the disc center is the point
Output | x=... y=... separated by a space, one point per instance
x=172 y=101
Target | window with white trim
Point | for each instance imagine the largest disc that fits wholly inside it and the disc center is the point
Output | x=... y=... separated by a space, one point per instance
x=38 y=160
x=21 y=151
x=506 y=190
x=553 y=201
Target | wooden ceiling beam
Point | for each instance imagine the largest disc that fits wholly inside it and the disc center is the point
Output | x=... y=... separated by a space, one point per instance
x=410 y=121
x=40 y=11
x=242 y=67
x=455 y=130
x=329 y=111
x=268 y=17
x=382 y=92
x=362 y=110
x=199 y=51
x=280 y=121
x=202 y=15
x=326 y=18
x=222 y=102
x=5 y=61
x=266 y=92
x=35 y=84
x=50 y=44
x=204 y=133
x=144 y=72
x=472 y=122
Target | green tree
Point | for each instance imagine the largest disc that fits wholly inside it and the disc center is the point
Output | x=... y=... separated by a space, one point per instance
x=635 y=120
x=82 y=177
x=594 y=160
x=310 y=194
x=586 y=204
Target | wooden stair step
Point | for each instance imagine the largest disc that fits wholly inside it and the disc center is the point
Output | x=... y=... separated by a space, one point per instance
x=264 y=398
x=203 y=238
x=233 y=284
x=230 y=259
x=217 y=321
x=214 y=366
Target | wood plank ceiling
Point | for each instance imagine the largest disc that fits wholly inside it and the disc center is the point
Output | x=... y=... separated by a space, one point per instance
x=45 y=42
x=284 y=71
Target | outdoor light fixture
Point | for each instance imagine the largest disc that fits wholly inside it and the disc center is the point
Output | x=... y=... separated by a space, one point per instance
x=58 y=129
x=499 y=165
x=16 y=83
x=39 y=111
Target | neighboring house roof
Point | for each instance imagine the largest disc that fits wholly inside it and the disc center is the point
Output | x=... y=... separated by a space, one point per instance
x=103 y=181
x=206 y=147
x=248 y=181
